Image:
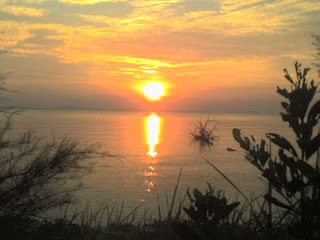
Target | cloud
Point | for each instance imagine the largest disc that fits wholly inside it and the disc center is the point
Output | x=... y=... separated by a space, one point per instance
x=237 y=18
x=199 y=5
x=256 y=16
x=87 y=2
x=230 y=18
x=23 y=11
x=19 y=2
x=147 y=35
x=155 y=3
x=30 y=51
x=12 y=33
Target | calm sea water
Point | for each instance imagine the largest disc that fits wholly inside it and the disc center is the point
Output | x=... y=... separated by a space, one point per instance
x=151 y=149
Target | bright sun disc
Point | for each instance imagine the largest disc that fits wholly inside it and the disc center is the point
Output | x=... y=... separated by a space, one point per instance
x=153 y=90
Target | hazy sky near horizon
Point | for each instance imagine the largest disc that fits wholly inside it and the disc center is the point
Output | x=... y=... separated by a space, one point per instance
x=214 y=55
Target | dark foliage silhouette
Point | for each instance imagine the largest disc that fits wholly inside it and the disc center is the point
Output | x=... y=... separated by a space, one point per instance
x=204 y=131
x=293 y=174
x=211 y=207
x=208 y=212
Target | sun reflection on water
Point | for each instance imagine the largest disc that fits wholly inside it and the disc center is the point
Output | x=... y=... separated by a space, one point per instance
x=152 y=130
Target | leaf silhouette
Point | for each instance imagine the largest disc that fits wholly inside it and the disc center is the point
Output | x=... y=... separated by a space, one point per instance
x=314 y=111
x=282 y=142
x=276 y=202
x=295 y=185
x=285 y=105
x=223 y=211
x=281 y=171
x=287 y=76
x=305 y=71
x=237 y=136
x=270 y=175
x=290 y=162
x=283 y=92
x=306 y=169
x=313 y=146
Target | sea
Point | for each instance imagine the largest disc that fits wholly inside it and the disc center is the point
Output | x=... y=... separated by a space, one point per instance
x=149 y=149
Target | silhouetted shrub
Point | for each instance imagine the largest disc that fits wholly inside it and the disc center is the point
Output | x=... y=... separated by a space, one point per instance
x=204 y=131
x=211 y=207
x=291 y=174
x=208 y=212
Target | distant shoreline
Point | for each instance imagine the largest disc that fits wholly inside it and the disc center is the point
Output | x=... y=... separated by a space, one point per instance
x=137 y=110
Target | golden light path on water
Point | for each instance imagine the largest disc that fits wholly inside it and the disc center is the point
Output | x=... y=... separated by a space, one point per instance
x=152 y=131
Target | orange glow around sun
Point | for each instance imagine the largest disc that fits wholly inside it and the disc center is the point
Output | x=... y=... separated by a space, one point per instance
x=153 y=90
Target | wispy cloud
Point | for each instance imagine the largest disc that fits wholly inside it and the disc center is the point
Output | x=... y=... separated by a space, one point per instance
x=233 y=19
x=21 y=2
x=23 y=11
x=30 y=51
x=13 y=33
x=87 y=2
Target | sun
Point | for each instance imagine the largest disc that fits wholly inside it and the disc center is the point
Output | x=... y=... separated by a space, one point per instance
x=153 y=90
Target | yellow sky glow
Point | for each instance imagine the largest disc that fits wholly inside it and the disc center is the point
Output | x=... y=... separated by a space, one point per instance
x=204 y=50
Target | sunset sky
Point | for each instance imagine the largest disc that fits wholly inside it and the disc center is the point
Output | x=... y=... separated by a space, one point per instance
x=224 y=56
